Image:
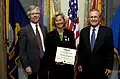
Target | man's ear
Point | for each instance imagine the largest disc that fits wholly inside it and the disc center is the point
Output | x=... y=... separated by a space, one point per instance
x=28 y=17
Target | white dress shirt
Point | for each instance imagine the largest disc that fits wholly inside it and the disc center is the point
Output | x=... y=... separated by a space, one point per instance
x=96 y=31
x=40 y=32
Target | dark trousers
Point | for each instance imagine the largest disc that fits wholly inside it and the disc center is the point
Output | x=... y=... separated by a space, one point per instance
x=41 y=74
x=62 y=72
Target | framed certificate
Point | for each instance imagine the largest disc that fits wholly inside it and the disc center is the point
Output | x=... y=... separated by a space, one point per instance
x=65 y=55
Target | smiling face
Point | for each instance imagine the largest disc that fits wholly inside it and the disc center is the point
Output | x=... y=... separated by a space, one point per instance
x=94 y=17
x=59 y=21
x=35 y=15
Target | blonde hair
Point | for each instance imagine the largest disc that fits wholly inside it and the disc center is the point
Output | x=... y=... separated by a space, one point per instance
x=57 y=14
x=32 y=7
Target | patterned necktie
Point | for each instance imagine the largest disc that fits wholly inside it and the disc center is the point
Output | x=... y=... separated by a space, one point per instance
x=40 y=42
x=92 y=39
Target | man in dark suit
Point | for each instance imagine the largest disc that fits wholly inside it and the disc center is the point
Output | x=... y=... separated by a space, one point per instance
x=31 y=44
x=95 y=51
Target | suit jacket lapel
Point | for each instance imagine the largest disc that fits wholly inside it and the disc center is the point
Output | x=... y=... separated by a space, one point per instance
x=88 y=38
x=32 y=34
x=99 y=38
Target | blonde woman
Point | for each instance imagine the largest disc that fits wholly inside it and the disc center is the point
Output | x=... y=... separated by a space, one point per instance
x=59 y=37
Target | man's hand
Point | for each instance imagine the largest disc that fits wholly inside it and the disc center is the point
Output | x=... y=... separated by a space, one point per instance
x=28 y=70
x=80 y=68
x=108 y=72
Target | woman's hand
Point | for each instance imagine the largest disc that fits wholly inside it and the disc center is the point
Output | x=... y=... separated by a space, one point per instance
x=60 y=63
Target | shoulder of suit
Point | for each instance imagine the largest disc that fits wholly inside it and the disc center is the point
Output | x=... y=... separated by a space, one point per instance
x=51 y=33
x=105 y=27
x=42 y=25
x=85 y=28
x=25 y=27
x=67 y=30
